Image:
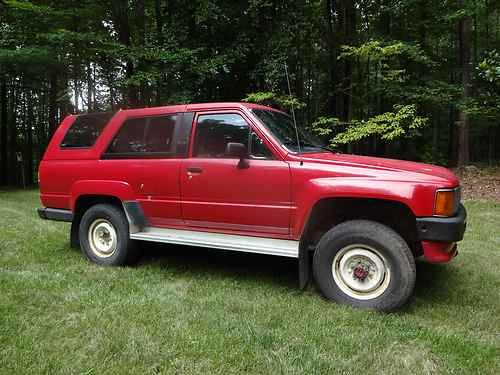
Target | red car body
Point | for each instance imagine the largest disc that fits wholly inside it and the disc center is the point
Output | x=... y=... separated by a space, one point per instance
x=275 y=198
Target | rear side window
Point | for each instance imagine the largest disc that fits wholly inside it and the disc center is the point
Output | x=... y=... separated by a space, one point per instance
x=147 y=137
x=86 y=129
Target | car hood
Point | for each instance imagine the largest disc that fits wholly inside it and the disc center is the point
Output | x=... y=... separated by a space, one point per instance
x=385 y=168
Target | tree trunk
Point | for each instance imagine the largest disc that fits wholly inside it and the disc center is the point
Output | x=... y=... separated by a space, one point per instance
x=28 y=162
x=332 y=56
x=121 y=22
x=4 y=170
x=464 y=39
x=52 y=105
x=491 y=146
x=346 y=31
x=159 y=22
x=111 y=93
x=77 y=95
x=90 y=85
x=159 y=38
x=13 y=176
x=140 y=18
x=475 y=36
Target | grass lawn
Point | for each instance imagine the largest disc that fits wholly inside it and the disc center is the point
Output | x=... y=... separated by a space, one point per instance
x=187 y=310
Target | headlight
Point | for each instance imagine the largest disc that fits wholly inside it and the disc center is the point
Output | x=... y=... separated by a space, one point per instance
x=446 y=202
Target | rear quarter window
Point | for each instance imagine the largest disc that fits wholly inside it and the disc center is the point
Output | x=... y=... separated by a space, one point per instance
x=86 y=129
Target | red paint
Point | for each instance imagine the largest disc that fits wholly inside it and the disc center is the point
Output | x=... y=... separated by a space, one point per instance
x=439 y=252
x=271 y=198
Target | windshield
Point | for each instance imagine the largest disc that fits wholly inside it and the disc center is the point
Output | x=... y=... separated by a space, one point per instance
x=282 y=127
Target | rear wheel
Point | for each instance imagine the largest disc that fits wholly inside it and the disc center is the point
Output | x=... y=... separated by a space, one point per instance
x=364 y=264
x=104 y=236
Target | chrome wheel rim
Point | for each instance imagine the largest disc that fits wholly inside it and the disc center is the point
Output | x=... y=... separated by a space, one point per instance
x=361 y=272
x=102 y=238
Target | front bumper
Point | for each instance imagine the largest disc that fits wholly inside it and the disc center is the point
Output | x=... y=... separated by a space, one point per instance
x=438 y=235
x=443 y=229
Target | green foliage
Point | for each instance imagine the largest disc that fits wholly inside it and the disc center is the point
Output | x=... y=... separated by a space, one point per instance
x=378 y=52
x=489 y=68
x=275 y=100
x=323 y=125
x=347 y=60
x=432 y=92
x=402 y=122
x=387 y=62
x=433 y=155
x=485 y=105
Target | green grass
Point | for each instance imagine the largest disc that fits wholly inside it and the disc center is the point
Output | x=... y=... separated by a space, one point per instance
x=188 y=310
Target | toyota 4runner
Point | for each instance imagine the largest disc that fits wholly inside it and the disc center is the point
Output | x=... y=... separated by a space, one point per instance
x=232 y=176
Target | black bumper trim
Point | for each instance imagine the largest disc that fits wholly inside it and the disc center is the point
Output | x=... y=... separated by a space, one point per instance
x=443 y=229
x=55 y=214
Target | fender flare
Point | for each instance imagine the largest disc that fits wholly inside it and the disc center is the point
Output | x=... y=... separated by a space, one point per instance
x=337 y=188
x=316 y=190
x=117 y=189
x=112 y=189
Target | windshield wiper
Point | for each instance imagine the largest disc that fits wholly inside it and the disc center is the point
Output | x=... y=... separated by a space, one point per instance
x=294 y=144
x=327 y=149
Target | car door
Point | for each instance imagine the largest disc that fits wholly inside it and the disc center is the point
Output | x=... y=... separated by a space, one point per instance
x=220 y=195
x=146 y=153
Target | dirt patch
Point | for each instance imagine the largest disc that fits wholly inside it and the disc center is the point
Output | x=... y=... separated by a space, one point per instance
x=479 y=183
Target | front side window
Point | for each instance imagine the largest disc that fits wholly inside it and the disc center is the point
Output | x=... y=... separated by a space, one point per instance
x=85 y=130
x=145 y=136
x=214 y=132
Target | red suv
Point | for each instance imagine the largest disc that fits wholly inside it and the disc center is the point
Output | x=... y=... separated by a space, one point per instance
x=232 y=176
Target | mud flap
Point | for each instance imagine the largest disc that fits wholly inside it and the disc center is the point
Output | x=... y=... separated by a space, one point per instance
x=74 y=238
x=304 y=265
x=135 y=216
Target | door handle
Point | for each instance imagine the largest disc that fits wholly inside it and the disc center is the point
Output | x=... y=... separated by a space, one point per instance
x=194 y=169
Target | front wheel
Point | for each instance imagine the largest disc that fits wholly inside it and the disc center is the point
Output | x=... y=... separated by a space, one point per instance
x=364 y=264
x=104 y=236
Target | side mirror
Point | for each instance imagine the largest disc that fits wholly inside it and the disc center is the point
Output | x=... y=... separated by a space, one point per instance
x=238 y=150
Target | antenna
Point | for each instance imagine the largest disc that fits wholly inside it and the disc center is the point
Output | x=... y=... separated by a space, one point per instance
x=293 y=115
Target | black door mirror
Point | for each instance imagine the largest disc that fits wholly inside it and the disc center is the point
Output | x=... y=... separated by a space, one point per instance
x=238 y=150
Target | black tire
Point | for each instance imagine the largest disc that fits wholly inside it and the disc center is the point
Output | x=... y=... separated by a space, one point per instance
x=365 y=237
x=124 y=251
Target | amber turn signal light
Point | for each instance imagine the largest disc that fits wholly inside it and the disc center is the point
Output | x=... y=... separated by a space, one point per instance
x=445 y=203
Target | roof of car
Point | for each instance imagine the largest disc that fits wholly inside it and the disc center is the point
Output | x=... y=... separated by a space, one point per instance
x=202 y=107
x=186 y=108
x=198 y=106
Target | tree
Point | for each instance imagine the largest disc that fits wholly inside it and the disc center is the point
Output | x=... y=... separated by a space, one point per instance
x=366 y=74
x=464 y=37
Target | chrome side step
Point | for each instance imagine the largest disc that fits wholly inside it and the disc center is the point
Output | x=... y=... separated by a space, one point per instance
x=259 y=245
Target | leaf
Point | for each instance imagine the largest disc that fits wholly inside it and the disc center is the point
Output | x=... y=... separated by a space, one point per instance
x=403 y=121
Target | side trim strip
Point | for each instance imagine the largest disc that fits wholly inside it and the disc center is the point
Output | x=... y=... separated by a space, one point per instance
x=270 y=246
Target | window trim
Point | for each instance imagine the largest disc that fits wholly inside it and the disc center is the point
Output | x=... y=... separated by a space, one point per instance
x=147 y=155
x=250 y=148
x=251 y=129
